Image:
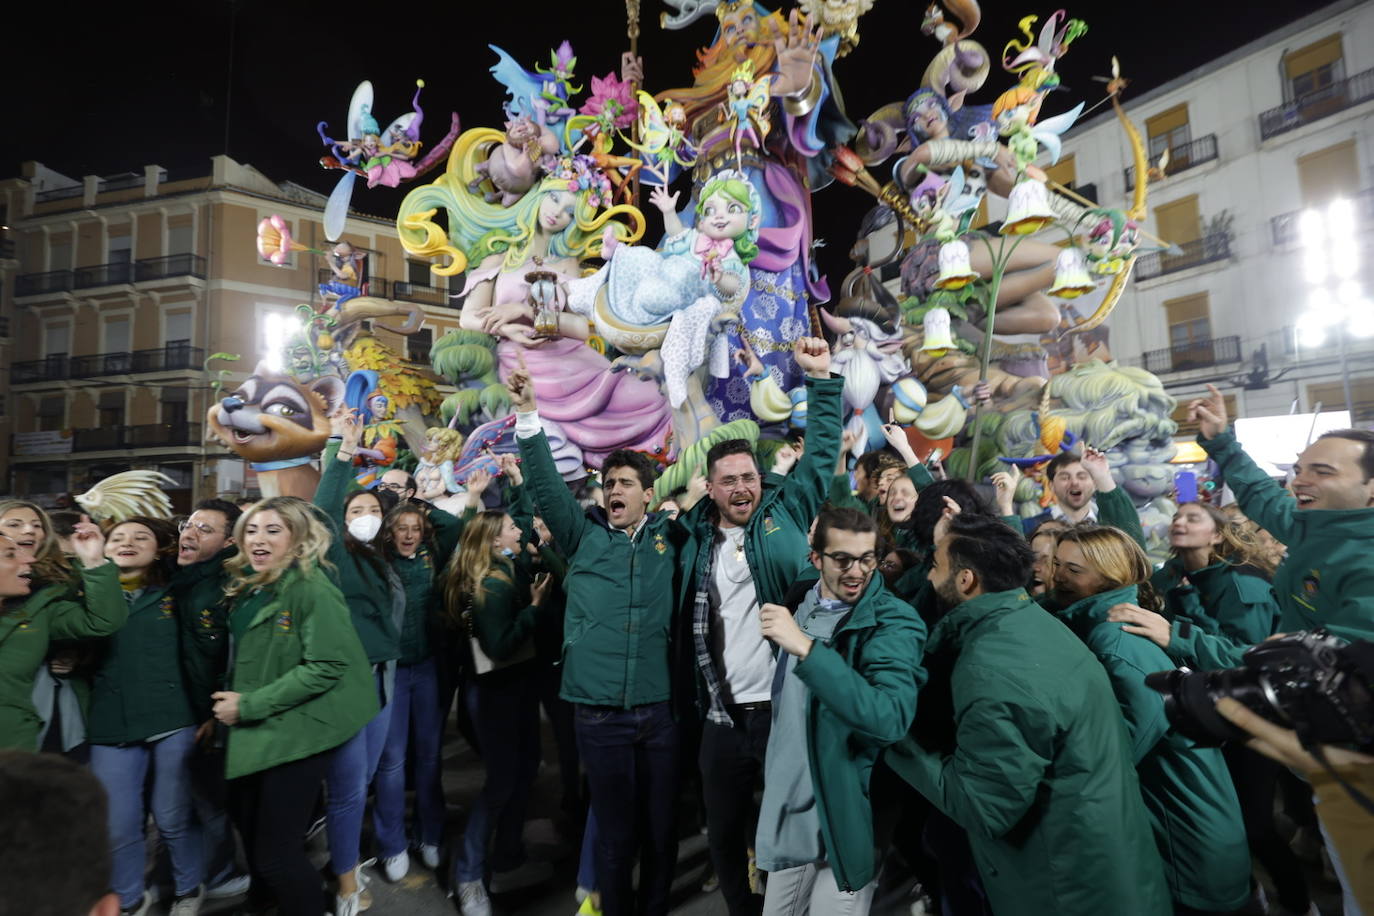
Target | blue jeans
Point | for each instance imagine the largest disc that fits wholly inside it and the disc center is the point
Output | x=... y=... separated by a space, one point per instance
x=586 y=859
x=351 y=768
x=122 y=770
x=415 y=713
x=631 y=758
x=506 y=716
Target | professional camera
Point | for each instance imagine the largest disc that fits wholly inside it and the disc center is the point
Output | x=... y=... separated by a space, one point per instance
x=1313 y=683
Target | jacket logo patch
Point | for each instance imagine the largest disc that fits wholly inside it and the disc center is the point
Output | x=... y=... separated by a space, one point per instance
x=1311 y=584
x=769 y=526
x=207 y=619
x=660 y=545
x=165 y=608
x=284 y=622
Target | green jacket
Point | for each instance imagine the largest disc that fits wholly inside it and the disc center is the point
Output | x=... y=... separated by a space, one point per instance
x=56 y=611
x=1041 y=774
x=1187 y=789
x=1220 y=611
x=422 y=577
x=1327 y=579
x=305 y=680
x=621 y=592
x=365 y=585
x=863 y=684
x=139 y=690
x=775 y=544
x=1114 y=509
x=842 y=497
x=201 y=613
x=504 y=620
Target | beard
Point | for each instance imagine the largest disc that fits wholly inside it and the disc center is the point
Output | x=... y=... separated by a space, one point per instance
x=947 y=596
x=861 y=376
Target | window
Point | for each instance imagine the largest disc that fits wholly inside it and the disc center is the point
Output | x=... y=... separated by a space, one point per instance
x=417 y=273
x=179 y=239
x=1190 y=332
x=1331 y=395
x=121 y=249
x=418 y=346
x=1315 y=68
x=110 y=410
x=1329 y=173
x=275 y=328
x=1063 y=172
x=116 y=335
x=57 y=339
x=1169 y=130
x=175 y=404
x=52 y=413
x=177 y=329
x=60 y=253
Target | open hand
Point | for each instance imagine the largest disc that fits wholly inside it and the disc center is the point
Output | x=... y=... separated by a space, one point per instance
x=796 y=53
x=785 y=458
x=1141 y=622
x=1209 y=413
x=665 y=202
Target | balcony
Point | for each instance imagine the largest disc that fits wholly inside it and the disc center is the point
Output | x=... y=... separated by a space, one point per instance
x=116 y=273
x=175 y=265
x=43 y=197
x=1209 y=248
x=1198 y=354
x=1182 y=158
x=100 y=364
x=49 y=369
x=175 y=356
x=419 y=292
x=8 y=249
x=4 y=326
x=54 y=281
x=123 y=438
x=1314 y=106
x=375 y=286
x=1284 y=227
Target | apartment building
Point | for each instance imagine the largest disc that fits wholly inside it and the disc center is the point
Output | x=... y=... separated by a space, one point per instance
x=1254 y=139
x=116 y=291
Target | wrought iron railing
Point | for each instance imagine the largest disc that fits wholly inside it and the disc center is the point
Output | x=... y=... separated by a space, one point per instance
x=174 y=356
x=419 y=292
x=1183 y=157
x=375 y=286
x=1314 y=106
x=48 y=369
x=100 y=364
x=173 y=265
x=112 y=274
x=1198 y=354
x=1209 y=248
x=54 y=281
x=123 y=438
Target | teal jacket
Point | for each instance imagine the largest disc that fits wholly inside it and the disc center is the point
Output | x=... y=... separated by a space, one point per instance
x=202 y=611
x=1187 y=789
x=775 y=543
x=365 y=585
x=621 y=591
x=1217 y=611
x=1114 y=509
x=58 y=611
x=1327 y=579
x=1041 y=775
x=139 y=690
x=863 y=684
x=841 y=496
x=305 y=680
x=422 y=578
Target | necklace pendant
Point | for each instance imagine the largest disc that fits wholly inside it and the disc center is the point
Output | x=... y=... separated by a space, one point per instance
x=739 y=552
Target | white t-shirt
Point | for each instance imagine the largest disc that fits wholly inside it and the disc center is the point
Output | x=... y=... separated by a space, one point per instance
x=743 y=657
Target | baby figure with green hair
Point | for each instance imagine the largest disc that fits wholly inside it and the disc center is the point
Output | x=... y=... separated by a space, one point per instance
x=698 y=275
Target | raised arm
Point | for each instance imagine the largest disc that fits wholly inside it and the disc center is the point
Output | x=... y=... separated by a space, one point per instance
x=554 y=502
x=1261 y=499
x=1114 y=506
x=810 y=481
x=101 y=609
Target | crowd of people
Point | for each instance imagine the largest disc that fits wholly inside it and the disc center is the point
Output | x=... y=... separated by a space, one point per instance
x=854 y=678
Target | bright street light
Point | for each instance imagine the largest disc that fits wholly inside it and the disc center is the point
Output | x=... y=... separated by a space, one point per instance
x=1330 y=248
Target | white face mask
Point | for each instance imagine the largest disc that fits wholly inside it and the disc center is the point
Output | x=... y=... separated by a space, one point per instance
x=365 y=527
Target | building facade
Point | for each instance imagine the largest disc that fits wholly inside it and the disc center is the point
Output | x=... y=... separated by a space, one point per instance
x=117 y=293
x=1254 y=139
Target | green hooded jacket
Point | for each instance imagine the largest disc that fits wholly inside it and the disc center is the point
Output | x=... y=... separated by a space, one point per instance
x=139 y=689
x=1219 y=607
x=1187 y=789
x=863 y=684
x=1327 y=579
x=55 y=611
x=422 y=577
x=1041 y=774
x=202 y=612
x=305 y=680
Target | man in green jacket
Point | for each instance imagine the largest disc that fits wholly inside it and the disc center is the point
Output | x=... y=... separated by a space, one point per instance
x=622 y=587
x=1040 y=773
x=1085 y=491
x=845 y=687
x=749 y=546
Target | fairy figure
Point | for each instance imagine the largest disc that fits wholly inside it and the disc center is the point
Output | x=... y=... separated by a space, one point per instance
x=610 y=107
x=746 y=108
x=664 y=144
x=558 y=87
x=346 y=264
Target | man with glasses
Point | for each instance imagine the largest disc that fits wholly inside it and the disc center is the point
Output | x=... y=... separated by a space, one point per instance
x=749 y=547
x=398 y=482
x=852 y=650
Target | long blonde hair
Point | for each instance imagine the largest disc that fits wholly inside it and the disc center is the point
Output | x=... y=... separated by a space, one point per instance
x=1116 y=557
x=309 y=543
x=49 y=563
x=474 y=560
x=1240 y=545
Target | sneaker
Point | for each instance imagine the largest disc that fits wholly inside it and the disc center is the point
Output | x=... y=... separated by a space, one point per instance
x=590 y=906
x=527 y=875
x=140 y=908
x=187 y=905
x=231 y=888
x=364 y=880
x=473 y=899
x=396 y=867
x=581 y=894
x=429 y=854
x=348 y=904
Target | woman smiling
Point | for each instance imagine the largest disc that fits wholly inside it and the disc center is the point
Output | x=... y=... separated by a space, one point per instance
x=300 y=686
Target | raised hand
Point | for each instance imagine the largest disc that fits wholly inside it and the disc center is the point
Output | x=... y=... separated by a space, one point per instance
x=785 y=458
x=349 y=428
x=520 y=388
x=665 y=202
x=813 y=356
x=896 y=437
x=1209 y=413
x=745 y=355
x=510 y=466
x=942 y=526
x=88 y=543
x=478 y=481
x=1099 y=469
x=796 y=53
x=1004 y=482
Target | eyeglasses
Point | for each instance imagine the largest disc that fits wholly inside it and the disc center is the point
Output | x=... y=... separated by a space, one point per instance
x=393 y=487
x=844 y=561
x=199 y=526
x=728 y=483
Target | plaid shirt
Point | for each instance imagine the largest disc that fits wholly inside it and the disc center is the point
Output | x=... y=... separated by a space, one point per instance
x=716 y=713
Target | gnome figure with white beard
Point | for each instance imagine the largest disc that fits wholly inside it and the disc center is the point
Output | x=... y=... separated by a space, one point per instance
x=870 y=359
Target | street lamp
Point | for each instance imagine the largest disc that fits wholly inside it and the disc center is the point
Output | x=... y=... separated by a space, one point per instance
x=1335 y=299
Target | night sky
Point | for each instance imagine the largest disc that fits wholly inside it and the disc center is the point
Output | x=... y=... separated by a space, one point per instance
x=113 y=87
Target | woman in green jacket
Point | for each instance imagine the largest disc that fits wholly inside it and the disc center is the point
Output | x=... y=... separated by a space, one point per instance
x=489 y=594
x=141 y=720
x=299 y=687
x=1187 y=791
x=59 y=604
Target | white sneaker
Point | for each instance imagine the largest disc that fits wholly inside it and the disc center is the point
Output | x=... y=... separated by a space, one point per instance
x=429 y=854
x=396 y=867
x=189 y=905
x=527 y=875
x=348 y=904
x=141 y=909
x=231 y=888
x=473 y=899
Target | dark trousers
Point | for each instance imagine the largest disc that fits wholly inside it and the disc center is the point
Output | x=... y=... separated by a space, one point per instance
x=1256 y=778
x=731 y=762
x=631 y=758
x=272 y=811
x=560 y=713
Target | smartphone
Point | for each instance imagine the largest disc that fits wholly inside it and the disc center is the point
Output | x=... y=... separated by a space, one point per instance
x=1185 y=485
